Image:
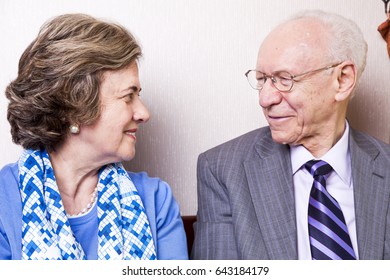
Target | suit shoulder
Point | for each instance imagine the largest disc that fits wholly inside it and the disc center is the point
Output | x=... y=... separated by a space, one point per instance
x=372 y=145
x=237 y=147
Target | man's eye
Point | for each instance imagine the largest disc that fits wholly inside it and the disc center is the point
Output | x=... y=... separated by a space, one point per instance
x=260 y=79
x=283 y=76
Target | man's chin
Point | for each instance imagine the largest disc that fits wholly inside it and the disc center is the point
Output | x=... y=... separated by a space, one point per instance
x=281 y=138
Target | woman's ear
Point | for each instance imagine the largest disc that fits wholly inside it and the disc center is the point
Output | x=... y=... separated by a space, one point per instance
x=346 y=80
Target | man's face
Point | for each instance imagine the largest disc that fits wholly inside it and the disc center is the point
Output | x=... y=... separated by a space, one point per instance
x=306 y=113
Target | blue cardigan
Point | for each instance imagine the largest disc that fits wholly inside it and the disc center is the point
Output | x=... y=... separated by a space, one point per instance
x=161 y=209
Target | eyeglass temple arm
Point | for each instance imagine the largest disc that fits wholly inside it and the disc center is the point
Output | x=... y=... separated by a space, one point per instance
x=317 y=70
x=387 y=7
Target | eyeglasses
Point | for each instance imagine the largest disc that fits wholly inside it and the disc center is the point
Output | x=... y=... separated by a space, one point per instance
x=283 y=81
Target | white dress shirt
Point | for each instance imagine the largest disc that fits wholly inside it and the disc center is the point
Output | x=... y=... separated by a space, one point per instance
x=339 y=184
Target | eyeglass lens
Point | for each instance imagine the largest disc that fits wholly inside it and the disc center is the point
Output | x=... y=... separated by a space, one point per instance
x=282 y=81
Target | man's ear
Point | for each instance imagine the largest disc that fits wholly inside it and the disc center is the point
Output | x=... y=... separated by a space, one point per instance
x=346 y=80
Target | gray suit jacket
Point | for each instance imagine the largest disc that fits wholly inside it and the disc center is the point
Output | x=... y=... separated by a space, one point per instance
x=246 y=199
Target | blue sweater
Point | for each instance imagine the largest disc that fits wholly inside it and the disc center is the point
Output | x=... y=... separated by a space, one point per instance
x=161 y=209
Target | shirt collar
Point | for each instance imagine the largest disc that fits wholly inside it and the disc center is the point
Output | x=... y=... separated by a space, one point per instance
x=338 y=157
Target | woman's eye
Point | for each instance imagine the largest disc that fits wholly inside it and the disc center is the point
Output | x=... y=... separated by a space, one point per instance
x=129 y=97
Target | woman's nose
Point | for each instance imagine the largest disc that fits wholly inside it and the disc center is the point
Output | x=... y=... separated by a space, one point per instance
x=141 y=112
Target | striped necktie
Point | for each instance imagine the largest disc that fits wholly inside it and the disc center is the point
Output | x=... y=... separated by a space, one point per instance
x=328 y=232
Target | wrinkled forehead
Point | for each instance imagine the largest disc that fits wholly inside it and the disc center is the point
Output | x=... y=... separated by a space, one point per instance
x=293 y=45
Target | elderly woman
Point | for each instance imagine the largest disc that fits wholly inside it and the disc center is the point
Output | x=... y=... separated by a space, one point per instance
x=75 y=109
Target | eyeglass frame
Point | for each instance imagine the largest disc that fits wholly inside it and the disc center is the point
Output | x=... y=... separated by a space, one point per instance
x=292 y=77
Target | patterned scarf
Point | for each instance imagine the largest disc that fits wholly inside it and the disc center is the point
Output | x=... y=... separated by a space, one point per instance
x=124 y=230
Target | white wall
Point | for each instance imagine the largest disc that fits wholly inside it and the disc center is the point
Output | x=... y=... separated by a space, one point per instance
x=192 y=74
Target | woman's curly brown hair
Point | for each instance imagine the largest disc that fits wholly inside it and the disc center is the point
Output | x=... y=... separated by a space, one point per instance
x=59 y=76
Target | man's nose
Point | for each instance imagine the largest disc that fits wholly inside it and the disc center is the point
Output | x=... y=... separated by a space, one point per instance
x=269 y=95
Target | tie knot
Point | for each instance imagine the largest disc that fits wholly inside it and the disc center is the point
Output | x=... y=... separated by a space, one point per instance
x=318 y=167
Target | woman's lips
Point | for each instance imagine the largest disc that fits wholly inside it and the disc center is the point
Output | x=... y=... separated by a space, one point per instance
x=131 y=133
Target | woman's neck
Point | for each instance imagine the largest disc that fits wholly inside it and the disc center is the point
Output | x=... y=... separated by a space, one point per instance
x=76 y=178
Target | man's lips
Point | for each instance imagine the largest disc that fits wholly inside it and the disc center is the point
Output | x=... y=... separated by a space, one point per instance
x=278 y=117
x=277 y=120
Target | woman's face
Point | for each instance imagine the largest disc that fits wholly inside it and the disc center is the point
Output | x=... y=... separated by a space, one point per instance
x=113 y=136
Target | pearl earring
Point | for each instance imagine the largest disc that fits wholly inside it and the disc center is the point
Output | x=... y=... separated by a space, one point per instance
x=74 y=129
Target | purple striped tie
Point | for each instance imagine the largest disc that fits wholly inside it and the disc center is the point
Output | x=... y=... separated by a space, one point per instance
x=328 y=233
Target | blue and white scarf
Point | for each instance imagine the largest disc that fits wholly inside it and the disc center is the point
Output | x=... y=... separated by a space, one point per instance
x=124 y=230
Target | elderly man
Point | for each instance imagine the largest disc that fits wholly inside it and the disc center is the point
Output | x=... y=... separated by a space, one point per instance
x=308 y=186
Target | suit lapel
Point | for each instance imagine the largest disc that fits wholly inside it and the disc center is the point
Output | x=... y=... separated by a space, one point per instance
x=370 y=195
x=269 y=175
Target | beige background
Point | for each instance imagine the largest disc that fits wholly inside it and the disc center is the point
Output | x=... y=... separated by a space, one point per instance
x=192 y=73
